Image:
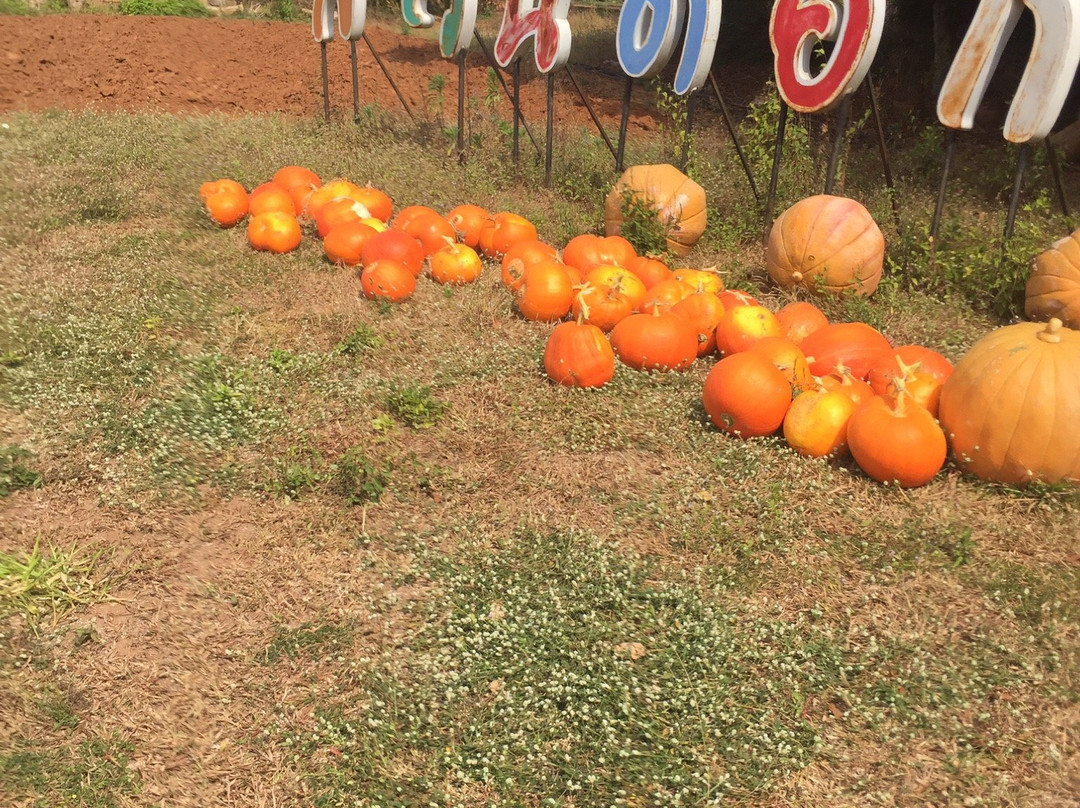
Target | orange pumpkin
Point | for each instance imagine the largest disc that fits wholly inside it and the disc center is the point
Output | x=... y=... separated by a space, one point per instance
x=345 y=243
x=376 y=201
x=1012 y=405
x=655 y=341
x=430 y=229
x=468 y=221
x=703 y=310
x=546 y=292
x=896 y=441
x=620 y=279
x=857 y=346
x=338 y=211
x=387 y=279
x=801 y=319
x=745 y=395
x=226 y=201
x=510 y=228
x=274 y=231
x=679 y=203
x=579 y=355
x=1053 y=288
x=289 y=177
x=588 y=251
x=816 y=423
x=397 y=246
x=742 y=326
x=916 y=357
x=272 y=198
x=650 y=270
x=602 y=306
x=707 y=279
x=522 y=255
x=826 y=243
x=455 y=264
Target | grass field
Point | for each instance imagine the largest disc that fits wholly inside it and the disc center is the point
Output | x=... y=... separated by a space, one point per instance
x=265 y=543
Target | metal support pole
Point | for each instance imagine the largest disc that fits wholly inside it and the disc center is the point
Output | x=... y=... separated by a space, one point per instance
x=355 y=82
x=774 y=178
x=939 y=207
x=518 y=117
x=325 y=84
x=549 y=145
x=623 y=121
x=592 y=112
x=684 y=157
x=1018 y=182
x=461 y=106
x=1055 y=172
x=734 y=135
x=885 y=166
x=842 y=115
x=514 y=95
x=386 y=73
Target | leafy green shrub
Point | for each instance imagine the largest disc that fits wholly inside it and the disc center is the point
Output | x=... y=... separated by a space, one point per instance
x=359 y=479
x=364 y=338
x=283 y=11
x=415 y=405
x=164 y=8
x=641 y=226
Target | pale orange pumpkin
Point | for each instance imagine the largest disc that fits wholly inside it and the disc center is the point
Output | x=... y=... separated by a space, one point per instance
x=1012 y=405
x=826 y=243
x=678 y=200
x=1053 y=288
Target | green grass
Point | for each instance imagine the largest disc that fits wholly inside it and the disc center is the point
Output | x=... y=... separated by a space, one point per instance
x=47 y=582
x=94 y=774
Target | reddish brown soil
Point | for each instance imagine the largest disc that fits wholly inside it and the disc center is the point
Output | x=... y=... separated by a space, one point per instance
x=188 y=66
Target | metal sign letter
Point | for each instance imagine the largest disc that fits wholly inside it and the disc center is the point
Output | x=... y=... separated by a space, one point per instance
x=796 y=29
x=648 y=32
x=351 y=15
x=1051 y=66
x=456 y=28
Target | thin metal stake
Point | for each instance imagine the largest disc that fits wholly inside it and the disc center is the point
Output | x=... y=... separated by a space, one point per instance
x=684 y=158
x=549 y=145
x=842 y=115
x=325 y=84
x=623 y=121
x=734 y=135
x=514 y=96
x=592 y=113
x=461 y=106
x=774 y=178
x=355 y=83
x=1018 y=182
x=386 y=73
x=885 y=166
x=1055 y=172
x=939 y=207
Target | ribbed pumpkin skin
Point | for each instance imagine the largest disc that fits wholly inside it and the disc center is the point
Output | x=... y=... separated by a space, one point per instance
x=828 y=243
x=1053 y=288
x=678 y=200
x=1012 y=405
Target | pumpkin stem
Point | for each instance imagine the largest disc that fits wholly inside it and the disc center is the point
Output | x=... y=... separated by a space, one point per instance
x=908 y=371
x=900 y=385
x=1052 y=332
x=583 y=307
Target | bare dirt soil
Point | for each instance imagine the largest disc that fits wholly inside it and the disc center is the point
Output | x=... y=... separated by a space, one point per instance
x=195 y=66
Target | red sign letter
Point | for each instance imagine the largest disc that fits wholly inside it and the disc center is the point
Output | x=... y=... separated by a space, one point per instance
x=796 y=29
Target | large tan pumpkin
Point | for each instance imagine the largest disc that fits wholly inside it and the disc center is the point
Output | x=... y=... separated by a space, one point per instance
x=826 y=244
x=1012 y=405
x=1053 y=288
x=679 y=203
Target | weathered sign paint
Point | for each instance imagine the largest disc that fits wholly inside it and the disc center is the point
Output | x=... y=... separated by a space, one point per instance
x=543 y=21
x=1045 y=83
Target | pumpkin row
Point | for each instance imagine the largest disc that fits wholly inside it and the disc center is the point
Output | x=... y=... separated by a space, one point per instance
x=831 y=389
